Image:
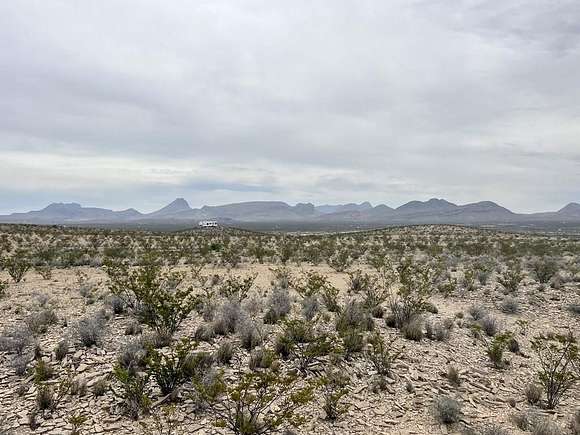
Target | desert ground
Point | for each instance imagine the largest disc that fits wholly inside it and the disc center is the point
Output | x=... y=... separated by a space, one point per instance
x=408 y=330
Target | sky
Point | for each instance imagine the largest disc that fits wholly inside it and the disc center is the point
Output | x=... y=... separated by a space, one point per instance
x=125 y=104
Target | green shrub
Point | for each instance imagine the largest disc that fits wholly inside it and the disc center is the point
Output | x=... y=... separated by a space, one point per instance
x=511 y=278
x=416 y=282
x=382 y=354
x=17 y=266
x=168 y=369
x=132 y=391
x=559 y=360
x=153 y=295
x=300 y=342
x=544 y=269
x=255 y=402
x=334 y=385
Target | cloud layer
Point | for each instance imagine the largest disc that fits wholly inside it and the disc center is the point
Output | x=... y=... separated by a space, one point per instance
x=125 y=104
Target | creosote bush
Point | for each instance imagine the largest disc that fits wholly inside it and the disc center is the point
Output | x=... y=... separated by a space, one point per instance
x=255 y=402
x=169 y=368
x=559 y=361
x=154 y=296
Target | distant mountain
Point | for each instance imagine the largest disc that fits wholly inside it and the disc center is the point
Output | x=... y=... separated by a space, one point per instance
x=434 y=205
x=71 y=213
x=572 y=209
x=326 y=209
x=433 y=211
x=179 y=205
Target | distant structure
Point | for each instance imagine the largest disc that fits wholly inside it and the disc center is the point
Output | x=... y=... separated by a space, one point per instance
x=207 y=224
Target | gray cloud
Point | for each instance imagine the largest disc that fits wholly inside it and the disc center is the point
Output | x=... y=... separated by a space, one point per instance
x=119 y=104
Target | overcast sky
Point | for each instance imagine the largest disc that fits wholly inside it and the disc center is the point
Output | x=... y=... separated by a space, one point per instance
x=133 y=103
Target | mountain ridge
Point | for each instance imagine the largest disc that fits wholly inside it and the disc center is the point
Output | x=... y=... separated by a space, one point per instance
x=434 y=210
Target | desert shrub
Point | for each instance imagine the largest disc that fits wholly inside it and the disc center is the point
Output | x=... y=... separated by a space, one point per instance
x=100 y=387
x=340 y=260
x=278 y=305
x=168 y=368
x=261 y=358
x=3 y=289
x=133 y=328
x=227 y=318
x=17 y=266
x=477 y=312
x=453 y=376
x=237 y=287
x=439 y=331
x=39 y=322
x=510 y=305
x=20 y=364
x=382 y=354
x=334 y=386
x=132 y=391
x=251 y=334
x=45 y=271
x=116 y=303
x=546 y=426
x=511 y=278
x=413 y=330
x=78 y=387
x=559 y=358
x=447 y=410
x=352 y=342
x=468 y=280
x=354 y=316
x=574 y=308
x=544 y=269
x=416 y=281
x=533 y=393
x=61 y=349
x=374 y=290
x=303 y=344
x=310 y=307
x=329 y=296
x=198 y=364
x=15 y=340
x=224 y=353
x=133 y=356
x=154 y=296
x=45 y=398
x=48 y=397
x=311 y=284
x=90 y=330
x=489 y=325
x=204 y=332
x=255 y=402
x=42 y=371
x=525 y=420
x=496 y=349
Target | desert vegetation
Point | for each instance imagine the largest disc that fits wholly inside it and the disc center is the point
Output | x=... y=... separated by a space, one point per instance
x=425 y=329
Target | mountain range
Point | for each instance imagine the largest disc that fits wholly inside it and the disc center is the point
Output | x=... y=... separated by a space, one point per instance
x=179 y=212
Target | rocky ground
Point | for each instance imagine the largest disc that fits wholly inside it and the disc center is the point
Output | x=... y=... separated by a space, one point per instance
x=488 y=395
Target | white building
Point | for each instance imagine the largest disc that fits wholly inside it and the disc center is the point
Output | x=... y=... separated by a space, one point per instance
x=208 y=224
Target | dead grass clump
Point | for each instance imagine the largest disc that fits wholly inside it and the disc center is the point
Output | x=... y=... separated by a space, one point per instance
x=90 y=330
x=533 y=393
x=510 y=305
x=447 y=410
x=225 y=353
x=39 y=322
x=489 y=325
x=278 y=305
x=414 y=329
